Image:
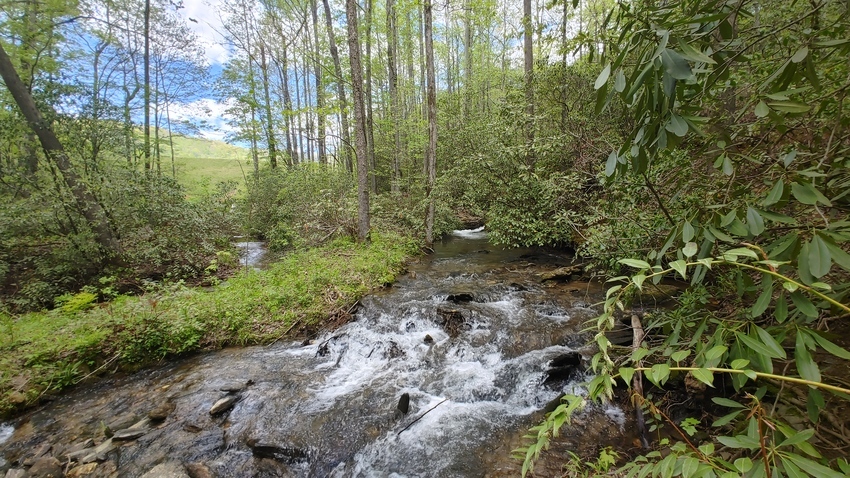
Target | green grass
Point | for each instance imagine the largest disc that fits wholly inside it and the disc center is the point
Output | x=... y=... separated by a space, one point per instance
x=45 y=352
x=203 y=163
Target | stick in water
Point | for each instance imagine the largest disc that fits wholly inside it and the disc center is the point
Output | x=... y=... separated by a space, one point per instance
x=420 y=416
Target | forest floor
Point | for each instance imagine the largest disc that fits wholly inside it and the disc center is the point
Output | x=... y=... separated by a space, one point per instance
x=42 y=353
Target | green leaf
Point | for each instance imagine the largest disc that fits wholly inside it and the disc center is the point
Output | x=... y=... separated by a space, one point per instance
x=738 y=364
x=771 y=343
x=811 y=467
x=690 y=249
x=693 y=54
x=789 y=106
x=807 y=194
x=838 y=255
x=619 y=81
x=677 y=125
x=756 y=345
x=820 y=259
x=704 y=375
x=603 y=77
x=830 y=347
x=743 y=464
x=681 y=267
x=762 y=109
x=740 y=441
x=764 y=298
x=804 y=305
x=636 y=263
x=789 y=158
x=627 y=373
x=792 y=470
x=801 y=55
x=775 y=194
x=806 y=366
x=659 y=373
x=687 y=231
x=689 y=467
x=680 y=355
x=727 y=165
x=741 y=251
x=726 y=419
x=780 y=311
x=638 y=280
x=798 y=437
x=675 y=65
x=715 y=352
x=611 y=164
x=755 y=223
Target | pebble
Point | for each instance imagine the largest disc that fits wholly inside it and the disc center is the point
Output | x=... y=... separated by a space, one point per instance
x=129 y=433
x=223 y=404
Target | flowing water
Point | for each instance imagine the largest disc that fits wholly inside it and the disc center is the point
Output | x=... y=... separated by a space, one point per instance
x=467 y=335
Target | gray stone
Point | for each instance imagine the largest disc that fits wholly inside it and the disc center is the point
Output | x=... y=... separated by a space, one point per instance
x=129 y=433
x=120 y=423
x=143 y=423
x=82 y=470
x=233 y=387
x=171 y=469
x=223 y=405
x=79 y=454
x=37 y=453
x=16 y=473
x=99 y=453
x=278 y=452
x=562 y=273
x=77 y=447
x=46 y=467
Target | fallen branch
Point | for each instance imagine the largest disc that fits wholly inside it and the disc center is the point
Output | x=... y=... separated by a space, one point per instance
x=420 y=416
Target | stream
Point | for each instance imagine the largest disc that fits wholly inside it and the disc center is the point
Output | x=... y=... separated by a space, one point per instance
x=467 y=335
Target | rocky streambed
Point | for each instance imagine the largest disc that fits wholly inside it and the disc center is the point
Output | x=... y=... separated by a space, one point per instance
x=439 y=375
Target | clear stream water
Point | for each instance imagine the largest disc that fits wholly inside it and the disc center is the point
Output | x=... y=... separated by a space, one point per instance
x=328 y=408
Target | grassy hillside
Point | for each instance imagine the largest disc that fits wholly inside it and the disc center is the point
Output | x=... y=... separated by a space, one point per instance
x=202 y=163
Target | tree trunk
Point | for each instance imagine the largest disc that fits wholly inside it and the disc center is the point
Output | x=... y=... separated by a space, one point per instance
x=320 y=88
x=269 y=125
x=53 y=150
x=147 y=67
x=287 y=105
x=431 y=151
x=528 y=53
x=340 y=82
x=467 y=52
x=359 y=122
x=370 y=135
x=392 y=75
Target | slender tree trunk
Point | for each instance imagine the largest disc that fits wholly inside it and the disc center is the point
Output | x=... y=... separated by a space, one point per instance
x=564 y=64
x=170 y=140
x=320 y=87
x=392 y=76
x=147 y=66
x=431 y=151
x=359 y=122
x=370 y=134
x=54 y=151
x=299 y=155
x=156 y=123
x=528 y=54
x=467 y=52
x=268 y=104
x=340 y=81
x=287 y=105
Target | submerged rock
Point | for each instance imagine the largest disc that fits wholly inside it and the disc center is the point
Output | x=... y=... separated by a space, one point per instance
x=563 y=368
x=460 y=297
x=562 y=273
x=161 y=412
x=234 y=387
x=451 y=320
x=428 y=339
x=170 y=469
x=403 y=405
x=129 y=433
x=284 y=453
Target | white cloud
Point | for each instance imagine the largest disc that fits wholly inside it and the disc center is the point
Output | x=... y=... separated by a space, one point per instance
x=203 y=18
x=208 y=110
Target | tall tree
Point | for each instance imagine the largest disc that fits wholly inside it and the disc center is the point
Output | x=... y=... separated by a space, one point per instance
x=320 y=87
x=270 y=139
x=431 y=150
x=392 y=76
x=147 y=67
x=359 y=122
x=528 y=56
x=340 y=85
x=55 y=151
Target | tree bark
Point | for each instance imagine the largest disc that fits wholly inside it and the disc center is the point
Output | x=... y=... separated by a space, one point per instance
x=370 y=134
x=340 y=82
x=528 y=53
x=359 y=122
x=147 y=67
x=272 y=144
x=431 y=150
x=54 y=151
x=392 y=76
x=320 y=88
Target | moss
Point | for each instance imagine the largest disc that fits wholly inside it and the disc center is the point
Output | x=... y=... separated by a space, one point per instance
x=48 y=351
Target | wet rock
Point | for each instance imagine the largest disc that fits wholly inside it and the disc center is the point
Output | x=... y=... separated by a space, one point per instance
x=223 y=404
x=283 y=453
x=161 y=412
x=37 y=453
x=460 y=297
x=403 y=404
x=621 y=334
x=46 y=467
x=191 y=428
x=170 y=469
x=234 y=387
x=428 y=339
x=99 y=453
x=143 y=423
x=77 y=447
x=120 y=423
x=107 y=469
x=394 y=351
x=562 y=273
x=451 y=320
x=129 y=434
x=563 y=368
x=16 y=473
x=78 y=455
x=82 y=470
x=199 y=470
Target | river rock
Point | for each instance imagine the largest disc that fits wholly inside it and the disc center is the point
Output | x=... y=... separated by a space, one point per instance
x=659 y=293
x=99 y=453
x=563 y=368
x=129 y=434
x=428 y=339
x=223 y=404
x=46 y=467
x=161 y=412
x=562 y=273
x=199 y=470
x=143 y=423
x=170 y=469
x=283 y=453
x=451 y=320
x=234 y=387
x=16 y=473
x=77 y=447
x=37 y=453
x=121 y=422
x=78 y=455
x=82 y=470
x=460 y=297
